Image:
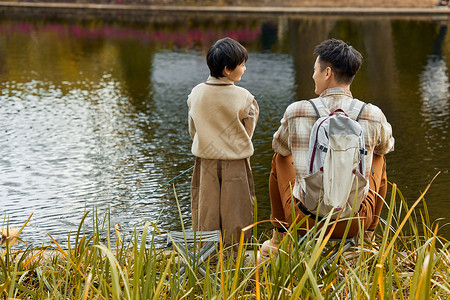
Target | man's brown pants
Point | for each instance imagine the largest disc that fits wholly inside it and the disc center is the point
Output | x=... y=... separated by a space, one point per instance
x=282 y=177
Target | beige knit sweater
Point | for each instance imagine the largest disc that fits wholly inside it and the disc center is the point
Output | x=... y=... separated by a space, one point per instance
x=222 y=119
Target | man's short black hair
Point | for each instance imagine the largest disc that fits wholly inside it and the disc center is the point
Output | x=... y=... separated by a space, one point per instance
x=342 y=58
x=225 y=52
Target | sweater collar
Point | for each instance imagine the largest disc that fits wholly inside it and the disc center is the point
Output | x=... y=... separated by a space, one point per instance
x=219 y=81
x=336 y=91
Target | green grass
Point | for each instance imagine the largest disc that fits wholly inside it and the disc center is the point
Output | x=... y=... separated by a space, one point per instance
x=407 y=260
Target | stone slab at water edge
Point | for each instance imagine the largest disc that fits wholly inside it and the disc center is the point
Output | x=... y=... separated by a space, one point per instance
x=265 y=3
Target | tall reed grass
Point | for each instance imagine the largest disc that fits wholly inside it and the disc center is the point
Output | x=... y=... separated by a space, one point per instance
x=406 y=260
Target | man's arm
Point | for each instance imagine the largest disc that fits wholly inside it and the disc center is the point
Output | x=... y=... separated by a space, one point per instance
x=280 y=142
x=386 y=140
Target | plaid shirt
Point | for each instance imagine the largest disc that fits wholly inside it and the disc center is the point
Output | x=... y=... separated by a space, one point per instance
x=296 y=125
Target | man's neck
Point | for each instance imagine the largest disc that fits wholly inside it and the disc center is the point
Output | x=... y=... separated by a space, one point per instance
x=339 y=85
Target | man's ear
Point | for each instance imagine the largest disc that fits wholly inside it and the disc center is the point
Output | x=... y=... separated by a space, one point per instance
x=328 y=72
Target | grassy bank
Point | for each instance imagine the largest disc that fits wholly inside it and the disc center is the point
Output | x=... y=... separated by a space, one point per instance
x=407 y=260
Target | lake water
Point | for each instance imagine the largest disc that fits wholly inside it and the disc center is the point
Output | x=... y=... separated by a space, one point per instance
x=93 y=109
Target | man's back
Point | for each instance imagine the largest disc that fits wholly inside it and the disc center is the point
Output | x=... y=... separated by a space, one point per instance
x=299 y=118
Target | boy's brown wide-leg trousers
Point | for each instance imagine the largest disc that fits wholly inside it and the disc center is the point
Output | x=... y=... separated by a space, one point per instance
x=222 y=196
x=282 y=177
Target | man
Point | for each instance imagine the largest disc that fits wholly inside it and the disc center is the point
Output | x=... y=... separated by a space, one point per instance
x=334 y=70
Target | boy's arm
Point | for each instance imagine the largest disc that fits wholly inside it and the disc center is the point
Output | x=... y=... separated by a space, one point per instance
x=251 y=119
x=191 y=127
x=191 y=123
x=280 y=142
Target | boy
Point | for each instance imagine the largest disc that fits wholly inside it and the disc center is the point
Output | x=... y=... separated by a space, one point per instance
x=222 y=119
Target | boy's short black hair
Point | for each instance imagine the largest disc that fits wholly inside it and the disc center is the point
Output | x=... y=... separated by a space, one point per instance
x=225 y=52
x=342 y=58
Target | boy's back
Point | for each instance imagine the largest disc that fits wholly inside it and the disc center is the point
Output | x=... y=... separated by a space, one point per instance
x=222 y=120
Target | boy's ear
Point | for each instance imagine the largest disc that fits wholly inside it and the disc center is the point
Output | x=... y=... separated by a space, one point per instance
x=226 y=71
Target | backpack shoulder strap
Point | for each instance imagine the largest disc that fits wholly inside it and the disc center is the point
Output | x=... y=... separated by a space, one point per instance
x=355 y=109
x=315 y=107
x=360 y=111
x=320 y=107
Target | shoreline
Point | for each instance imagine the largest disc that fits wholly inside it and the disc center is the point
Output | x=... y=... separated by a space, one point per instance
x=390 y=11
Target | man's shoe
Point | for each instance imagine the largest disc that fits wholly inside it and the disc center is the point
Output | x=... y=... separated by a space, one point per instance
x=271 y=246
x=368 y=235
x=268 y=248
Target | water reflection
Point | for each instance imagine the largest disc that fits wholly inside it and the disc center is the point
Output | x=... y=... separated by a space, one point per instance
x=434 y=88
x=93 y=114
x=435 y=83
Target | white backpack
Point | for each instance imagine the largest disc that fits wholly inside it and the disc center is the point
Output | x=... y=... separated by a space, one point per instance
x=335 y=179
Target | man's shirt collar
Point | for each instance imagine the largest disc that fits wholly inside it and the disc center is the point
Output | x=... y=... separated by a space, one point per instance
x=335 y=92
